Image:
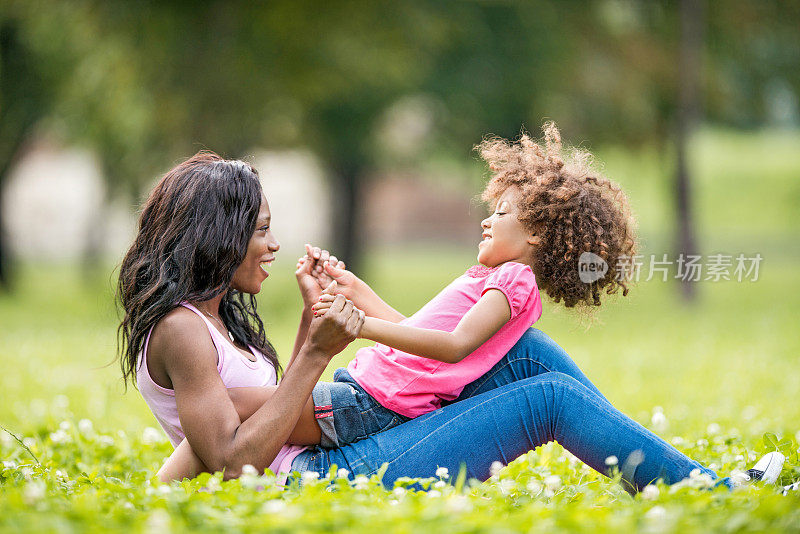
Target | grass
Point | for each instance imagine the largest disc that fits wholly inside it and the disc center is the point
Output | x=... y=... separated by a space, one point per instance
x=722 y=372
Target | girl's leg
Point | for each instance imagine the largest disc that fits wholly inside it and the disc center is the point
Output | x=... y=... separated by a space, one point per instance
x=535 y=353
x=505 y=423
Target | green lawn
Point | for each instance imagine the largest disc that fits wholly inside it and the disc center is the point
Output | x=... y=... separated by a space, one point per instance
x=722 y=371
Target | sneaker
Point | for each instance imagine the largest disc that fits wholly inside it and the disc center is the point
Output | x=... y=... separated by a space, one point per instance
x=767 y=469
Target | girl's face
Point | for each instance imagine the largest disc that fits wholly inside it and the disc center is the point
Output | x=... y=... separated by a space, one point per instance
x=260 y=253
x=505 y=238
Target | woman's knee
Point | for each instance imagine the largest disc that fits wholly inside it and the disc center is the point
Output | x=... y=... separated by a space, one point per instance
x=555 y=380
x=538 y=346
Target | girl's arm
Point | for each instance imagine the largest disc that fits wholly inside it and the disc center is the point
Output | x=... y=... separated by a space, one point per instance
x=480 y=323
x=363 y=296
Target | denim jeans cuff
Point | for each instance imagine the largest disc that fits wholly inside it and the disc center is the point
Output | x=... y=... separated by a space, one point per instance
x=323 y=412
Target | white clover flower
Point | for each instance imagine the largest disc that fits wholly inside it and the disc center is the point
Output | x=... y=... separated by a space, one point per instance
x=399 y=492
x=249 y=470
x=64 y=425
x=9 y=464
x=439 y=484
x=458 y=504
x=553 y=483
x=495 y=468
x=34 y=491
x=507 y=486
x=309 y=476
x=85 y=426
x=151 y=436
x=650 y=492
x=534 y=487
x=213 y=485
x=442 y=472
x=752 y=456
x=612 y=460
x=274 y=507
x=164 y=489
x=433 y=494
x=59 y=437
x=677 y=440
x=738 y=458
x=342 y=473
x=26 y=472
x=694 y=473
x=713 y=428
x=656 y=514
x=106 y=441
x=659 y=421
x=361 y=482
x=702 y=442
x=60 y=474
x=158 y=521
x=29 y=442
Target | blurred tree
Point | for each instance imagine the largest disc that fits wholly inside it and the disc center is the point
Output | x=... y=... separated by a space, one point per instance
x=24 y=99
x=149 y=83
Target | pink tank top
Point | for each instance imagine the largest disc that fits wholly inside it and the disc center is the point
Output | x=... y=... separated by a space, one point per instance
x=235 y=369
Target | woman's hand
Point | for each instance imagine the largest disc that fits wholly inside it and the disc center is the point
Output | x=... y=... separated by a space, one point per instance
x=311 y=277
x=337 y=327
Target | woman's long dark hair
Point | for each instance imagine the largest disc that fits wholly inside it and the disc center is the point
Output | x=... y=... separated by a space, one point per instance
x=193 y=234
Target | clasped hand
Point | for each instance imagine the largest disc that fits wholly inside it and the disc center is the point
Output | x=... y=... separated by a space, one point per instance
x=319 y=273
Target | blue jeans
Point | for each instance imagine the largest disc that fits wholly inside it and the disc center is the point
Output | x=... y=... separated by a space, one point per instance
x=535 y=395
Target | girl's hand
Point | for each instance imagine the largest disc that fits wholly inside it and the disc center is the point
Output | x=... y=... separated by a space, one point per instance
x=311 y=278
x=319 y=257
x=347 y=283
x=326 y=300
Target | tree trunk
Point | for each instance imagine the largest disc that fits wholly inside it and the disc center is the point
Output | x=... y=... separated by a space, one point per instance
x=348 y=239
x=22 y=102
x=691 y=39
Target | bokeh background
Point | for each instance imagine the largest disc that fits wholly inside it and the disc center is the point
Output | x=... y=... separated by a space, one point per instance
x=361 y=118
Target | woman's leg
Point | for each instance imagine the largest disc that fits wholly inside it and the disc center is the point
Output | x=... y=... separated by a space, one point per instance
x=506 y=422
x=535 y=353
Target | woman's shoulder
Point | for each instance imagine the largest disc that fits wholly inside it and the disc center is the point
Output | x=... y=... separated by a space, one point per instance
x=180 y=333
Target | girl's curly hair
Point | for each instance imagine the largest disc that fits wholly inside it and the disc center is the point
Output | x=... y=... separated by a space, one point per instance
x=571 y=207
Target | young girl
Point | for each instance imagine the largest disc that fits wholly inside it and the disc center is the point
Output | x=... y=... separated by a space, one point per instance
x=548 y=210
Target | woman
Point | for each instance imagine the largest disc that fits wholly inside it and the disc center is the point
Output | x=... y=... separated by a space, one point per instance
x=191 y=330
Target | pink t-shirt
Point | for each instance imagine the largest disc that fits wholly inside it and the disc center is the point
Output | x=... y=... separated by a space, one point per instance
x=236 y=371
x=412 y=385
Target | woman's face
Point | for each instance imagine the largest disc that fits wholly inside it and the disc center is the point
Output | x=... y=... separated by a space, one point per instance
x=260 y=253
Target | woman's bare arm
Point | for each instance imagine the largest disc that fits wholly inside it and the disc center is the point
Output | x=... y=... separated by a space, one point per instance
x=184 y=463
x=207 y=414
